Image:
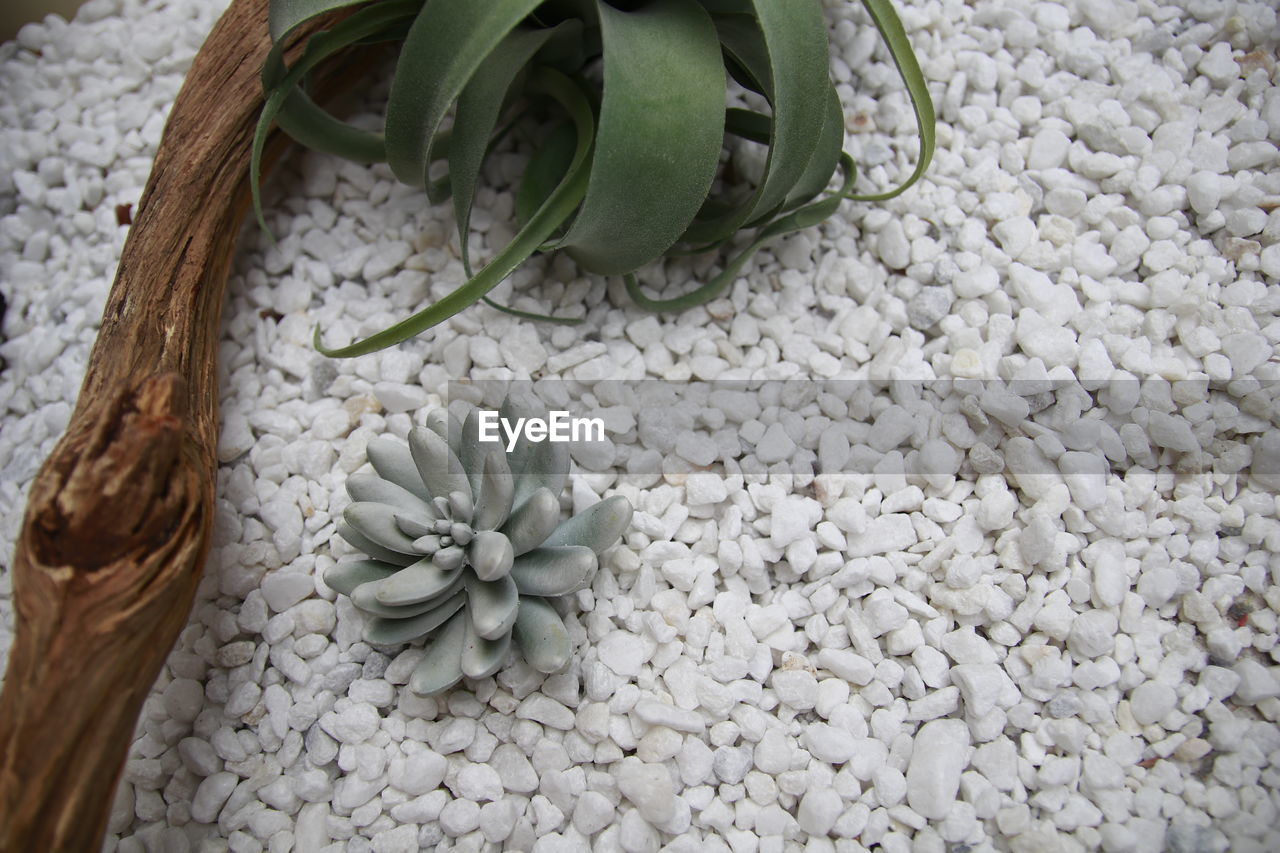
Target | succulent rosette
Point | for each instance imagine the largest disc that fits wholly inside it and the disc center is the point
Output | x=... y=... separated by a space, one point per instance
x=466 y=548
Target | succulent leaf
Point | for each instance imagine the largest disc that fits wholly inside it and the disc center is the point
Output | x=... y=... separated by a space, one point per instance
x=365 y=597
x=468 y=575
x=422 y=581
x=597 y=528
x=374 y=488
x=483 y=657
x=552 y=571
x=393 y=462
x=439 y=468
x=373 y=549
x=493 y=605
x=471 y=451
x=496 y=492
x=491 y=555
x=441 y=667
x=540 y=634
x=532 y=522
x=378 y=523
x=344 y=577
x=391 y=631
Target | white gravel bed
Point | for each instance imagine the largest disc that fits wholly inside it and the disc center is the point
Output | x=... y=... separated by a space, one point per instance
x=990 y=640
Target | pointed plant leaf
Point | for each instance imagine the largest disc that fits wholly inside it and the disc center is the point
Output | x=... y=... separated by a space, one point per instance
x=482 y=657
x=477 y=113
x=393 y=462
x=284 y=15
x=377 y=522
x=384 y=631
x=530 y=525
x=520 y=458
x=795 y=37
x=358 y=540
x=471 y=451
x=415 y=527
x=540 y=634
x=371 y=487
x=547 y=167
x=365 y=598
x=345 y=576
x=445 y=425
x=553 y=571
x=548 y=468
x=282 y=84
x=314 y=127
x=490 y=555
x=414 y=584
x=497 y=490
x=596 y=527
x=660 y=131
x=826 y=156
x=441 y=668
x=804 y=217
x=446 y=44
x=895 y=36
x=492 y=605
x=441 y=472
x=548 y=219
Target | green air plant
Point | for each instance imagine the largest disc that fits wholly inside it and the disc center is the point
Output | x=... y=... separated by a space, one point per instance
x=627 y=101
x=467 y=548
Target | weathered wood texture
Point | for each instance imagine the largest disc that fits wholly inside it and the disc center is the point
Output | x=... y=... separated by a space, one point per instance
x=119 y=518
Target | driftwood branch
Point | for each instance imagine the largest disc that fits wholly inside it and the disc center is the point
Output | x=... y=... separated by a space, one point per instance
x=118 y=521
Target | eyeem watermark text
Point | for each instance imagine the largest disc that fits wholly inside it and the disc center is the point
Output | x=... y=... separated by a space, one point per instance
x=557 y=426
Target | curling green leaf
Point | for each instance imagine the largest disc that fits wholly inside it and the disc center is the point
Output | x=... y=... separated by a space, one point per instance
x=892 y=31
x=554 y=211
x=446 y=44
x=805 y=217
x=658 y=141
x=479 y=106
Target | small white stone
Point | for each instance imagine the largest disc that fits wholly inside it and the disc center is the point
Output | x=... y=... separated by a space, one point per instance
x=1257 y=682
x=1150 y=701
x=459 y=817
x=1086 y=476
x=399 y=397
x=184 y=699
x=354 y=725
x=793 y=519
x=661 y=714
x=282 y=590
x=592 y=813
x=893 y=246
x=1172 y=432
x=939 y=754
x=1247 y=351
x=703 y=488
x=796 y=688
x=418 y=773
x=211 y=795
x=1048 y=149
x=828 y=743
x=623 y=652
x=478 y=782
x=818 y=811
x=775 y=445
x=648 y=787
x=1093 y=634
x=543 y=709
x=852 y=667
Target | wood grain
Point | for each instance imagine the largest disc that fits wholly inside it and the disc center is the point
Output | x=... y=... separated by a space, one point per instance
x=119 y=518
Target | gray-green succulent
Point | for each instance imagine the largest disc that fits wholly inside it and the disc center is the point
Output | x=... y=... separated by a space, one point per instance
x=466 y=547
